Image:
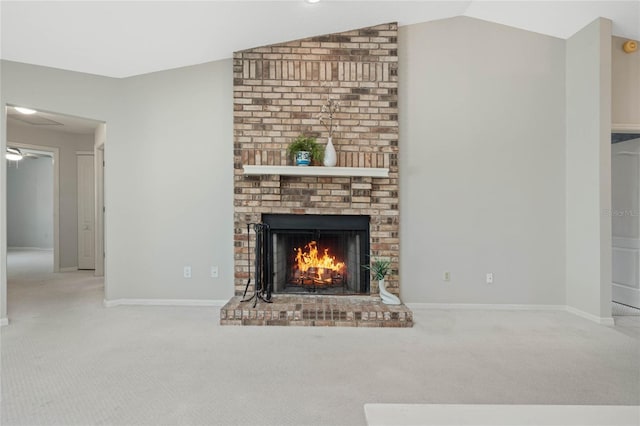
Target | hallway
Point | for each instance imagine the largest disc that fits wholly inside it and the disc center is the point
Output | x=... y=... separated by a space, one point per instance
x=35 y=292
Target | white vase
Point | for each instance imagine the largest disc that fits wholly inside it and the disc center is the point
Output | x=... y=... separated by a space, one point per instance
x=387 y=298
x=330 y=156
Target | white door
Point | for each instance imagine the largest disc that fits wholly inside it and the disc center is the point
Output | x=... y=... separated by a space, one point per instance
x=86 y=218
x=625 y=220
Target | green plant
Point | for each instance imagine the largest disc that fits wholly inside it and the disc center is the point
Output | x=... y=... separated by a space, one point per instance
x=379 y=268
x=307 y=143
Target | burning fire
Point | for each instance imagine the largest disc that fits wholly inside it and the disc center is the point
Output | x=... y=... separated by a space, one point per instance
x=310 y=261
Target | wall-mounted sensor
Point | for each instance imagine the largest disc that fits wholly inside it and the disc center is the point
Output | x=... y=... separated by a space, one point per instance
x=630 y=46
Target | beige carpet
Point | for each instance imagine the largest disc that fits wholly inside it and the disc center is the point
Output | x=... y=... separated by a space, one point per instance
x=501 y=415
x=66 y=360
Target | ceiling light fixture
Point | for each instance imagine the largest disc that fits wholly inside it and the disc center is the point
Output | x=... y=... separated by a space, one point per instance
x=23 y=110
x=13 y=154
x=313 y=1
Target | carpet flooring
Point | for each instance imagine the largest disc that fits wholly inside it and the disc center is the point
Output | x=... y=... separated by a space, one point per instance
x=501 y=415
x=67 y=360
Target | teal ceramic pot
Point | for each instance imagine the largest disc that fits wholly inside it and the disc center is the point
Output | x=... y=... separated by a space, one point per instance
x=303 y=158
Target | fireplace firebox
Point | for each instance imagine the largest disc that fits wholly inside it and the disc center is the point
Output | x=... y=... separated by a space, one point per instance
x=320 y=254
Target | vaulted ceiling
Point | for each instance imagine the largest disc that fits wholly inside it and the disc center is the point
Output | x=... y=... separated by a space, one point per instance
x=125 y=38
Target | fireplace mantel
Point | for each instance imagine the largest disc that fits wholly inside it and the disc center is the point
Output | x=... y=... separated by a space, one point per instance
x=315 y=171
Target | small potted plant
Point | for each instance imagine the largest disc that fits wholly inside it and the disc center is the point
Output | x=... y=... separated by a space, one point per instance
x=379 y=269
x=305 y=149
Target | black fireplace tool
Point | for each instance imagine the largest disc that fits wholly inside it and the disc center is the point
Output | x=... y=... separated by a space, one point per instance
x=261 y=291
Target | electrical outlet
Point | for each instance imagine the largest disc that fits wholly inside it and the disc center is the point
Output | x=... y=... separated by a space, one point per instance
x=187 y=272
x=446 y=276
x=489 y=277
x=214 y=272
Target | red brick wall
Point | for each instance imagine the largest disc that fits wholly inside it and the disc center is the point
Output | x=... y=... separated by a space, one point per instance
x=279 y=91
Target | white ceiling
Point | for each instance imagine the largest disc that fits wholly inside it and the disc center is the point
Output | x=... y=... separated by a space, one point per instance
x=51 y=121
x=120 y=39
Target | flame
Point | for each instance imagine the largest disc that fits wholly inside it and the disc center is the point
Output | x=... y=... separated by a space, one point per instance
x=311 y=259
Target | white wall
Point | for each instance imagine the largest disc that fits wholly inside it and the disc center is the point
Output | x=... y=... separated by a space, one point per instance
x=588 y=176
x=482 y=160
x=169 y=170
x=68 y=144
x=30 y=203
x=625 y=87
x=481 y=163
x=170 y=187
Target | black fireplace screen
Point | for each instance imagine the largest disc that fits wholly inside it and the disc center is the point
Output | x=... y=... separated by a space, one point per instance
x=317 y=253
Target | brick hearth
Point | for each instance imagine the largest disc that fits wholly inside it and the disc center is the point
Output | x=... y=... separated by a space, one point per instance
x=303 y=310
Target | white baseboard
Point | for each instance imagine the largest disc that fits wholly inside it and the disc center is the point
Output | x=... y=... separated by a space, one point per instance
x=511 y=307
x=4 y=321
x=594 y=318
x=486 y=307
x=163 y=302
x=29 y=248
x=413 y=306
x=69 y=269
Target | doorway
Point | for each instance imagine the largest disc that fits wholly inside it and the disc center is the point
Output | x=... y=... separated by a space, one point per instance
x=62 y=138
x=625 y=220
x=28 y=216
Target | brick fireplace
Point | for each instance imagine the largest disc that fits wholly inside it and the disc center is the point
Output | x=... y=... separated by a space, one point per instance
x=279 y=91
x=317 y=254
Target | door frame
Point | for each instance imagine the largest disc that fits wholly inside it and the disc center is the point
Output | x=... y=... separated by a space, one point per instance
x=99 y=164
x=55 y=153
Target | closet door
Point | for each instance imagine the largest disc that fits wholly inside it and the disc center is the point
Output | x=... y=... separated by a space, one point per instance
x=86 y=217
